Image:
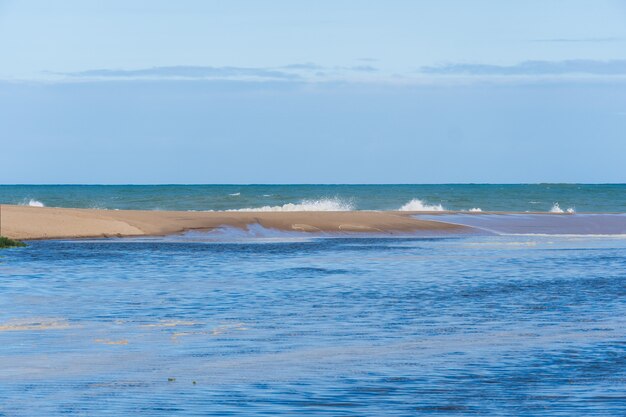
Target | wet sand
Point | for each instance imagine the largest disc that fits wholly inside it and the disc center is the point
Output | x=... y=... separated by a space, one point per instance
x=23 y=222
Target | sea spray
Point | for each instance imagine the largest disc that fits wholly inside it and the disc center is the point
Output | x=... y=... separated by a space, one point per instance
x=334 y=204
x=557 y=209
x=419 y=205
x=32 y=203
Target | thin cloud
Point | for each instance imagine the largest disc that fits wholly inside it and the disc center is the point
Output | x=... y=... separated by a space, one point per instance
x=309 y=66
x=187 y=72
x=361 y=68
x=291 y=72
x=580 y=66
x=306 y=66
x=578 y=40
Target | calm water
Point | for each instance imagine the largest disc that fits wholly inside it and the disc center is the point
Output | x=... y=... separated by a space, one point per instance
x=473 y=325
x=533 y=197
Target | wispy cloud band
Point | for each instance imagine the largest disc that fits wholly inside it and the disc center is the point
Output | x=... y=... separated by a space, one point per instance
x=181 y=71
x=579 y=66
x=292 y=72
x=579 y=40
x=457 y=73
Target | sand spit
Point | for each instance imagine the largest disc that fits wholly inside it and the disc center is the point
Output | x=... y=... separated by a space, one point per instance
x=21 y=222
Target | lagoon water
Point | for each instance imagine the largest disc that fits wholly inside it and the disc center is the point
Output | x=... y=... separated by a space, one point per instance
x=479 y=324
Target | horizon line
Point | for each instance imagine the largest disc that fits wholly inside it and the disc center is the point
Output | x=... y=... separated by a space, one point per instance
x=308 y=184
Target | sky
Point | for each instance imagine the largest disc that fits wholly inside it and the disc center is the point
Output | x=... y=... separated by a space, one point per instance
x=342 y=91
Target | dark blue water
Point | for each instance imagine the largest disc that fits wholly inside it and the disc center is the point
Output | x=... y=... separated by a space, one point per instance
x=475 y=325
x=516 y=197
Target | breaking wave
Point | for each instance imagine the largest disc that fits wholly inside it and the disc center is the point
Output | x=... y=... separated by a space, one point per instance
x=306 y=205
x=419 y=205
x=557 y=209
x=32 y=203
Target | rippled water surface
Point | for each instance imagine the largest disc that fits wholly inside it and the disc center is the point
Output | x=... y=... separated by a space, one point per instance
x=413 y=197
x=487 y=325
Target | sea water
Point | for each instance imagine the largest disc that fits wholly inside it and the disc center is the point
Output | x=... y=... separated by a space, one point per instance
x=470 y=197
x=198 y=325
x=522 y=314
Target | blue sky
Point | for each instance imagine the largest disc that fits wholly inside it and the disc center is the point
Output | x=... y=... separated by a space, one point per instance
x=307 y=92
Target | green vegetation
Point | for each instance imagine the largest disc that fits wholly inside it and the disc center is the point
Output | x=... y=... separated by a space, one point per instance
x=5 y=242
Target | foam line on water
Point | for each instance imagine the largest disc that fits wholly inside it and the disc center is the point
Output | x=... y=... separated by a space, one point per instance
x=325 y=204
x=417 y=204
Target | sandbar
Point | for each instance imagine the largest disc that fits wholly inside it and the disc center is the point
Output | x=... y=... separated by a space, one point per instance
x=25 y=223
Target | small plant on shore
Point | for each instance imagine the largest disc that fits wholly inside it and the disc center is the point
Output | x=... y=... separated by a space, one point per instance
x=5 y=242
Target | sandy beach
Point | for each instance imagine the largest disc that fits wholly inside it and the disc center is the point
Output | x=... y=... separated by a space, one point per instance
x=22 y=222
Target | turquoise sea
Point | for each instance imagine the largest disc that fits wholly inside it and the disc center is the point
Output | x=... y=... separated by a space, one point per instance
x=525 y=315
x=517 y=197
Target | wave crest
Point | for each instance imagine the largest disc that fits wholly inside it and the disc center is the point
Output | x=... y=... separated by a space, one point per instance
x=32 y=203
x=557 y=209
x=306 y=205
x=418 y=205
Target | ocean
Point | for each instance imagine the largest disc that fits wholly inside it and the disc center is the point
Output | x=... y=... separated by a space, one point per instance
x=486 y=197
x=524 y=316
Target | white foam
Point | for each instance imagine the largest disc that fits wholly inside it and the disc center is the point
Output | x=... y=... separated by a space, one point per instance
x=252 y=232
x=476 y=209
x=32 y=203
x=557 y=209
x=235 y=194
x=306 y=205
x=419 y=205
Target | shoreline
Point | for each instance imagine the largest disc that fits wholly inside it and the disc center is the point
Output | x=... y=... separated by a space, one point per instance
x=37 y=223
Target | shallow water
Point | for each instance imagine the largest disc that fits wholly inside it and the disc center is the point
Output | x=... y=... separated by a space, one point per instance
x=488 y=197
x=489 y=325
x=546 y=224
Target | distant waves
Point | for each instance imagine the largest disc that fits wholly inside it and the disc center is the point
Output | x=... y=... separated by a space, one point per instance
x=32 y=203
x=521 y=198
x=331 y=204
x=334 y=204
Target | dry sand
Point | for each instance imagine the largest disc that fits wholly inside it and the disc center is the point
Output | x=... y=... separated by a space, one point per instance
x=20 y=222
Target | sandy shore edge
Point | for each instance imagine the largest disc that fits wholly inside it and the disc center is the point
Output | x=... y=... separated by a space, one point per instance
x=23 y=222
